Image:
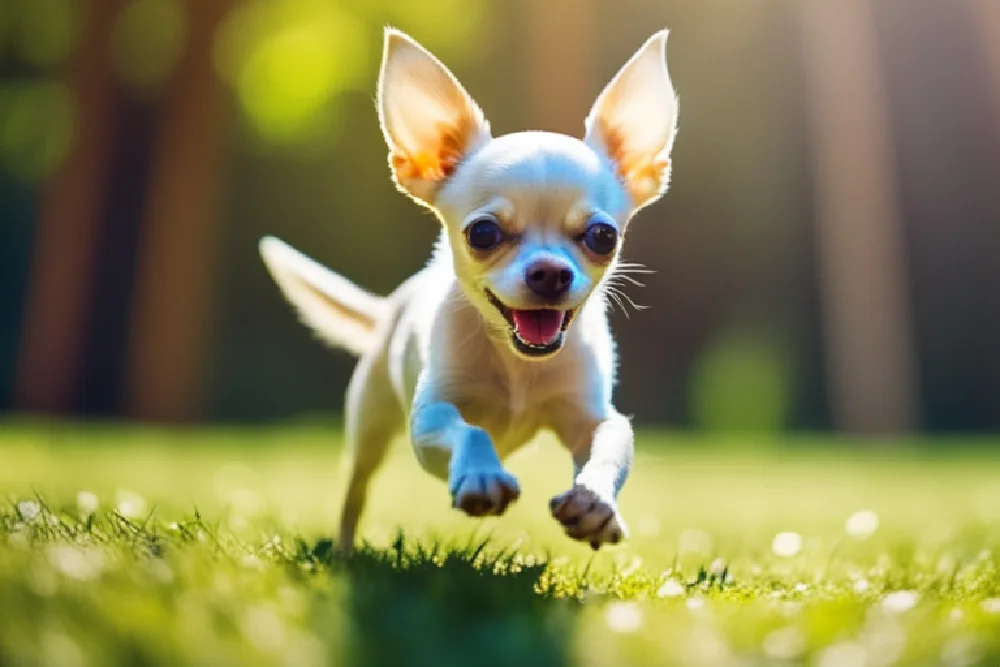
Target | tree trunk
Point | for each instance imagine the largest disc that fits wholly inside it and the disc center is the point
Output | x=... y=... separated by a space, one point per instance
x=863 y=280
x=171 y=311
x=60 y=286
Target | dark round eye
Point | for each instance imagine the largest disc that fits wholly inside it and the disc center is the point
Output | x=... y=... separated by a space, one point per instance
x=601 y=238
x=484 y=234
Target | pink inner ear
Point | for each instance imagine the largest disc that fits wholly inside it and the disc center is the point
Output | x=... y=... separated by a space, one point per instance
x=436 y=162
x=642 y=175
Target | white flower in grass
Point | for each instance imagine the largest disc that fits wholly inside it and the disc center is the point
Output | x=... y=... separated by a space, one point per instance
x=861 y=586
x=694 y=541
x=884 y=638
x=263 y=628
x=76 y=562
x=160 y=571
x=648 y=526
x=130 y=504
x=861 y=525
x=696 y=603
x=962 y=651
x=991 y=605
x=900 y=601
x=704 y=645
x=87 y=503
x=786 y=544
x=671 y=588
x=304 y=650
x=252 y=562
x=623 y=617
x=784 y=644
x=791 y=608
x=60 y=649
x=844 y=654
x=28 y=509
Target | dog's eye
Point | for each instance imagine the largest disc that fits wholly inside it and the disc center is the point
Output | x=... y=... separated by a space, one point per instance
x=484 y=234
x=601 y=238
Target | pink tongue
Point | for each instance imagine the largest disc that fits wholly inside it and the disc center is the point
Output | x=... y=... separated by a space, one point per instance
x=538 y=327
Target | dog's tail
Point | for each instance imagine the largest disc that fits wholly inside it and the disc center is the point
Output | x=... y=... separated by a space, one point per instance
x=337 y=310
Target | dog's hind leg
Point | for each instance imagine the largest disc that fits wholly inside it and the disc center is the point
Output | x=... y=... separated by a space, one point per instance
x=373 y=418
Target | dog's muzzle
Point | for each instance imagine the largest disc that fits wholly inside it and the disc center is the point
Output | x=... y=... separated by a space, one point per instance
x=535 y=332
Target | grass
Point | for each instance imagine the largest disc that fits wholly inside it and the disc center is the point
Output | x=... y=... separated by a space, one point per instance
x=137 y=546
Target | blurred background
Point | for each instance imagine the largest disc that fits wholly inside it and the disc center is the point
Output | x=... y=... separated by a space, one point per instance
x=826 y=259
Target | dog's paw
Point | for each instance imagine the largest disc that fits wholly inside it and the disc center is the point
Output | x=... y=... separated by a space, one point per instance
x=587 y=517
x=484 y=493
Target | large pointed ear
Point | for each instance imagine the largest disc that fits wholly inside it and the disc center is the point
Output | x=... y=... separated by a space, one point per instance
x=634 y=120
x=428 y=120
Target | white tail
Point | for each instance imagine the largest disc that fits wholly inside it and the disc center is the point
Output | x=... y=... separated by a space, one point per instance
x=337 y=310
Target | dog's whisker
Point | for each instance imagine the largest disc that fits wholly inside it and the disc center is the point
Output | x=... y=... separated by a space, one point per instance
x=615 y=283
x=621 y=295
x=637 y=306
x=632 y=267
x=629 y=279
x=613 y=295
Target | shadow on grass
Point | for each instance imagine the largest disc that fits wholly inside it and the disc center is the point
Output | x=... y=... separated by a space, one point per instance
x=445 y=606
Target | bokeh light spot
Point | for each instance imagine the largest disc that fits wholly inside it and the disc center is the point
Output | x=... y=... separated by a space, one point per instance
x=287 y=61
x=786 y=544
x=6 y=25
x=624 y=617
x=148 y=41
x=861 y=525
x=130 y=504
x=87 y=503
x=44 y=32
x=671 y=588
x=900 y=601
x=423 y=20
x=36 y=128
x=742 y=382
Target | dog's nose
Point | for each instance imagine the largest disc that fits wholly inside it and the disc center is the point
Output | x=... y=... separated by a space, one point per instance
x=548 y=279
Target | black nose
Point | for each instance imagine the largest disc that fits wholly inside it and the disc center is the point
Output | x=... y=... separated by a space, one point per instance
x=548 y=279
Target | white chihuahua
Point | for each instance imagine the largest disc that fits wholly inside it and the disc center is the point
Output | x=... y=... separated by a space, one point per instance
x=505 y=332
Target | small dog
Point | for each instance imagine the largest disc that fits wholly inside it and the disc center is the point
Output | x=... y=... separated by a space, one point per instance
x=505 y=332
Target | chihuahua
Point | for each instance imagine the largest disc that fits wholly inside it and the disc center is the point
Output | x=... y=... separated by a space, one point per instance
x=505 y=332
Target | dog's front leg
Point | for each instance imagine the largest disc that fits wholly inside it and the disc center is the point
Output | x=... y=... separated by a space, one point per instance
x=462 y=454
x=602 y=455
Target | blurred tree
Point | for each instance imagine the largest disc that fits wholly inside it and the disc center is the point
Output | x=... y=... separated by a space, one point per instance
x=560 y=76
x=54 y=331
x=984 y=16
x=863 y=277
x=172 y=299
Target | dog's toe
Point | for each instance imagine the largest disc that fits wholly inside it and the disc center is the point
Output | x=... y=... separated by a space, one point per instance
x=587 y=517
x=485 y=493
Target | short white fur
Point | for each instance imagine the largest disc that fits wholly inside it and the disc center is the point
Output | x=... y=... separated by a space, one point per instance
x=443 y=357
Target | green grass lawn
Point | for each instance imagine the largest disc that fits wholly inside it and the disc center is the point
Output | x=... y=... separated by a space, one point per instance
x=135 y=546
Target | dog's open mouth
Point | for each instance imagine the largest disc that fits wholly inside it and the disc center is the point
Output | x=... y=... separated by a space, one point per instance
x=535 y=332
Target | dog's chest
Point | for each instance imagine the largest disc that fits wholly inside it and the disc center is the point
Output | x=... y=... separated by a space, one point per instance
x=511 y=407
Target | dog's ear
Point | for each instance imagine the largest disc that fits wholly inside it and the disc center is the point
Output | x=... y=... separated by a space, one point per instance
x=634 y=120
x=428 y=120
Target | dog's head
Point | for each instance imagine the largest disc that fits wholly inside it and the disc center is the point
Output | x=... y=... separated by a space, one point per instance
x=534 y=219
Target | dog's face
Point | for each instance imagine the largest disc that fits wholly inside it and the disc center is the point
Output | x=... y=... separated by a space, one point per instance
x=534 y=219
